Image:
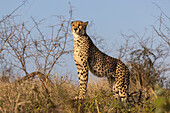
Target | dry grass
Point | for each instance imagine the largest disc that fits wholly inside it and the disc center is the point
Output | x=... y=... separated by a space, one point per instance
x=30 y=96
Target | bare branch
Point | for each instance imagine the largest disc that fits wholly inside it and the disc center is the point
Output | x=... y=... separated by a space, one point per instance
x=162 y=36
x=13 y=11
x=161 y=9
x=66 y=34
x=7 y=39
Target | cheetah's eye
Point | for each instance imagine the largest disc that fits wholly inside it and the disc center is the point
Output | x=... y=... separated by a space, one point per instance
x=73 y=25
x=79 y=25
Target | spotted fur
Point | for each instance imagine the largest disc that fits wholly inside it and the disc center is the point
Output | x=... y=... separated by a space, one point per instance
x=88 y=57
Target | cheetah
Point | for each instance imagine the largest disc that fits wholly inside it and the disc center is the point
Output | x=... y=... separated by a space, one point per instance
x=88 y=57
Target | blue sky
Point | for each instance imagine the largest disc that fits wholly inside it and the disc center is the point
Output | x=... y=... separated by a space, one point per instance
x=110 y=17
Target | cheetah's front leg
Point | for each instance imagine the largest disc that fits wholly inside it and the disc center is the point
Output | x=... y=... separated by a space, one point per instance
x=83 y=79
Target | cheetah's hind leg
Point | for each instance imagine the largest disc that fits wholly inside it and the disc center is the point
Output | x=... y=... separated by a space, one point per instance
x=119 y=91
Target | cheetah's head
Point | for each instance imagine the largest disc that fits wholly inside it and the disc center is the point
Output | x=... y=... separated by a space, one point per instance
x=79 y=27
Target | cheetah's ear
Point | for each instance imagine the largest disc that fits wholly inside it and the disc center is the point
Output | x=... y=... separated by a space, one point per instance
x=86 y=23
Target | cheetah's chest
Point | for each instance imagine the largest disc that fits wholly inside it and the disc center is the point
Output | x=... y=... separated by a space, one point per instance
x=78 y=53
